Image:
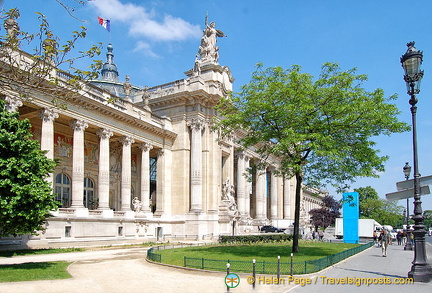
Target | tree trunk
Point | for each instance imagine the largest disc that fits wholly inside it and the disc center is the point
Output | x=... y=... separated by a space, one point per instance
x=299 y=179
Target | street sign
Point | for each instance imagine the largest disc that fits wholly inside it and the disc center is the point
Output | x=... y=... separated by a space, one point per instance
x=401 y=185
x=407 y=193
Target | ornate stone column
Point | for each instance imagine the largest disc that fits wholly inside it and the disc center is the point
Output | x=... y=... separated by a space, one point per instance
x=12 y=104
x=104 y=173
x=273 y=195
x=241 y=183
x=287 y=199
x=261 y=202
x=196 y=126
x=47 y=137
x=145 y=176
x=248 y=187
x=163 y=183
x=78 y=163
x=127 y=142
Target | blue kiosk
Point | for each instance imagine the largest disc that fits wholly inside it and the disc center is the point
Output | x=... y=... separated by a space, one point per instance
x=350 y=217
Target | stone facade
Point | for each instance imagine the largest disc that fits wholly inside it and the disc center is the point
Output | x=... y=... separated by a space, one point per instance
x=150 y=165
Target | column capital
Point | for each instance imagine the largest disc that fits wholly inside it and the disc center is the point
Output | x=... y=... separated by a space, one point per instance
x=145 y=147
x=160 y=152
x=196 y=124
x=241 y=154
x=104 y=133
x=127 y=140
x=78 y=125
x=48 y=115
x=12 y=103
x=272 y=168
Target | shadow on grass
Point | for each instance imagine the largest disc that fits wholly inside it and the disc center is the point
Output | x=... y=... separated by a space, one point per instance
x=29 y=266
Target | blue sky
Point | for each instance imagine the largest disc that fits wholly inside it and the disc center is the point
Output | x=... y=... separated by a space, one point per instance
x=156 y=41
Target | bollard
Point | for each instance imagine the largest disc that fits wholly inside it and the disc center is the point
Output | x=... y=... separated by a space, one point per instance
x=291 y=264
x=278 y=268
x=253 y=272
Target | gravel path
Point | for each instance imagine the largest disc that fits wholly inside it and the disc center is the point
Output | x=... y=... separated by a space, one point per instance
x=124 y=270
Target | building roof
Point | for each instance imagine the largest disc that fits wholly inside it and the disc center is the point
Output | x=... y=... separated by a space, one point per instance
x=110 y=77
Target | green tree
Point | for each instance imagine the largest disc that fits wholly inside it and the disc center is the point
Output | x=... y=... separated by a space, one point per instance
x=321 y=131
x=327 y=214
x=373 y=207
x=370 y=207
x=427 y=214
x=393 y=214
x=368 y=201
x=26 y=198
x=386 y=213
x=50 y=67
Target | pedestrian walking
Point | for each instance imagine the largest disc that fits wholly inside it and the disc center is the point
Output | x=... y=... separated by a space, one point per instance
x=399 y=237
x=404 y=237
x=384 y=239
x=375 y=238
x=320 y=235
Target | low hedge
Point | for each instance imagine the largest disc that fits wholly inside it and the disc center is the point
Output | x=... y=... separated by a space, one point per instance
x=264 y=238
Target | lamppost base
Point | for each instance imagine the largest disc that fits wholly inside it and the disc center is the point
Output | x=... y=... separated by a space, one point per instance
x=421 y=273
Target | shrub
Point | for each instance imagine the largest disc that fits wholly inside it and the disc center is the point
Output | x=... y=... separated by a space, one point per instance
x=264 y=238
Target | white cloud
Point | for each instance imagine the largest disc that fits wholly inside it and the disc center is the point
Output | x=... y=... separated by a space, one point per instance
x=144 y=24
x=145 y=47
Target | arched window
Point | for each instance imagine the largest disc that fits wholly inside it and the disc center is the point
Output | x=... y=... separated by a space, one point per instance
x=63 y=190
x=90 y=200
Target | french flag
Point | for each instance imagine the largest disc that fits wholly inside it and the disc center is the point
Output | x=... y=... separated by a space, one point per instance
x=106 y=23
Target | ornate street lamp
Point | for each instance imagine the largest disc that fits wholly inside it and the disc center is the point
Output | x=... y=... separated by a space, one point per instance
x=408 y=244
x=407 y=170
x=421 y=271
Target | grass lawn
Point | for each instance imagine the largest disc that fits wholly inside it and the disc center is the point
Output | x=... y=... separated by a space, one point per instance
x=263 y=252
x=34 y=271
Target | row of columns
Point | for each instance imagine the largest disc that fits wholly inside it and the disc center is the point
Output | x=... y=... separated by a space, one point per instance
x=104 y=172
x=196 y=199
x=197 y=125
x=47 y=144
x=243 y=199
x=311 y=203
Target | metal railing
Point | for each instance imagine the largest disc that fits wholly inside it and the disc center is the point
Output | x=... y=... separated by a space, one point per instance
x=262 y=267
x=153 y=256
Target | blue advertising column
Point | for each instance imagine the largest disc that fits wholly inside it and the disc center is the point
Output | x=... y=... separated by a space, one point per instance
x=350 y=217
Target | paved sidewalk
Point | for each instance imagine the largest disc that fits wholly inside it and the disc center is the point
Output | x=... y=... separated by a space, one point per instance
x=372 y=265
x=126 y=270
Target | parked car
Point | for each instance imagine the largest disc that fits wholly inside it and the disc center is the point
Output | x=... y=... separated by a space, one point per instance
x=271 y=229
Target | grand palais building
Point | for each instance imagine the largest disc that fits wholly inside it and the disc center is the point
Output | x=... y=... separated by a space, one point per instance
x=146 y=164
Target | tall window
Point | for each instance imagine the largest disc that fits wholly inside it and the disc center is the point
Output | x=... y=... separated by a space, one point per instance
x=63 y=190
x=153 y=169
x=90 y=200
